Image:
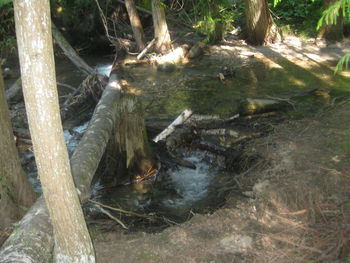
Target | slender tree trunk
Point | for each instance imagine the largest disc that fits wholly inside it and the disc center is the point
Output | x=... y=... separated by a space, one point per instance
x=332 y=32
x=16 y=192
x=261 y=29
x=161 y=32
x=33 y=31
x=135 y=24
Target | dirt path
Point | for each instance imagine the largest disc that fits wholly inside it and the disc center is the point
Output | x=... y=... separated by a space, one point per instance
x=295 y=203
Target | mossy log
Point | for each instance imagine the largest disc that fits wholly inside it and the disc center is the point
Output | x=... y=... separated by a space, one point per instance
x=254 y=106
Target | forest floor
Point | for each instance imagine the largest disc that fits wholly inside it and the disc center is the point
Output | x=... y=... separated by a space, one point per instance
x=295 y=202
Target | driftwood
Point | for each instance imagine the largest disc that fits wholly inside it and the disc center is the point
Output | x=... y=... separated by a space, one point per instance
x=145 y=50
x=32 y=239
x=171 y=128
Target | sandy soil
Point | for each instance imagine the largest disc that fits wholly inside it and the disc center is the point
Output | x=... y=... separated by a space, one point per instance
x=295 y=205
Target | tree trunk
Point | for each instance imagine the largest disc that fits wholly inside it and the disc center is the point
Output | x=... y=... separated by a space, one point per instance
x=135 y=24
x=33 y=31
x=332 y=32
x=32 y=240
x=161 y=32
x=261 y=29
x=16 y=193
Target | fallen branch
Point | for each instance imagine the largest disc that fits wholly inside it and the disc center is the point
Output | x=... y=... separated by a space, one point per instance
x=123 y=211
x=14 y=89
x=70 y=52
x=66 y=86
x=171 y=128
x=145 y=50
x=111 y=216
x=213 y=121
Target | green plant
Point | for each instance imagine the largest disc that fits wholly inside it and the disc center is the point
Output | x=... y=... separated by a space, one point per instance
x=329 y=16
x=211 y=18
x=7 y=28
x=300 y=16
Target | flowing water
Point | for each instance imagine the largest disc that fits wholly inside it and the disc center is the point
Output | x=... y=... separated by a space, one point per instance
x=197 y=87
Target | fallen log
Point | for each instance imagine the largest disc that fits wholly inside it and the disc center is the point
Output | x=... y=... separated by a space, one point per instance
x=145 y=50
x=85 y=159
x=171 y=128
x=32 y=239
x=70 y=52
x=220 y=132
x=14 y=89
x=254 y=106
x=210 y=121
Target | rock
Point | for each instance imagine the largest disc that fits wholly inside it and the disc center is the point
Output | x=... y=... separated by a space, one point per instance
x=166 y=67
x=236 y=243
x=196 y=50
x=7 y=73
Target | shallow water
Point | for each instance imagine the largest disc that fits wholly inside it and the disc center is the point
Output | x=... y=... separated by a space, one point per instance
x=197 y=86
x=181 y=190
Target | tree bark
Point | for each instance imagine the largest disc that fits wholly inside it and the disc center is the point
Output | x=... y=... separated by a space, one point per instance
x=32 y=239
x=161 y=32
x=135 y=24
x=87 y=156
x=332 y=32
x=16 y=193
x=33 y=31
x=261 y=29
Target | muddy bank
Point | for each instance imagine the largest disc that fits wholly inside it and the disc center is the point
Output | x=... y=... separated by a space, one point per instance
x=294 y=205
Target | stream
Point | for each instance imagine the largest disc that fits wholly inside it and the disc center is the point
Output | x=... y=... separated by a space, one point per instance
x=197 y=87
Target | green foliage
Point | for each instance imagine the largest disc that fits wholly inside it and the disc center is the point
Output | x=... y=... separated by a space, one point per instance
x=330 y=15
x=211 y=18
x=144 y=3
x=343 y=63
x=299 y=16
x=7 y=29
x=4 y=2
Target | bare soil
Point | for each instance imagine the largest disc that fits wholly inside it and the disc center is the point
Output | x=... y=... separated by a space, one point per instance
x=295 y=201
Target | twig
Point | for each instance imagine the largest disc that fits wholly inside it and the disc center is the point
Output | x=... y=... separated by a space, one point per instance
x=66 y=86
x=288 y=100
x=111 y=216
x=123 y=211
x=113 y=40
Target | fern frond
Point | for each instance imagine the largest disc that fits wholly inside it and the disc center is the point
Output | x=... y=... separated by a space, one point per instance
x=343 y=63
